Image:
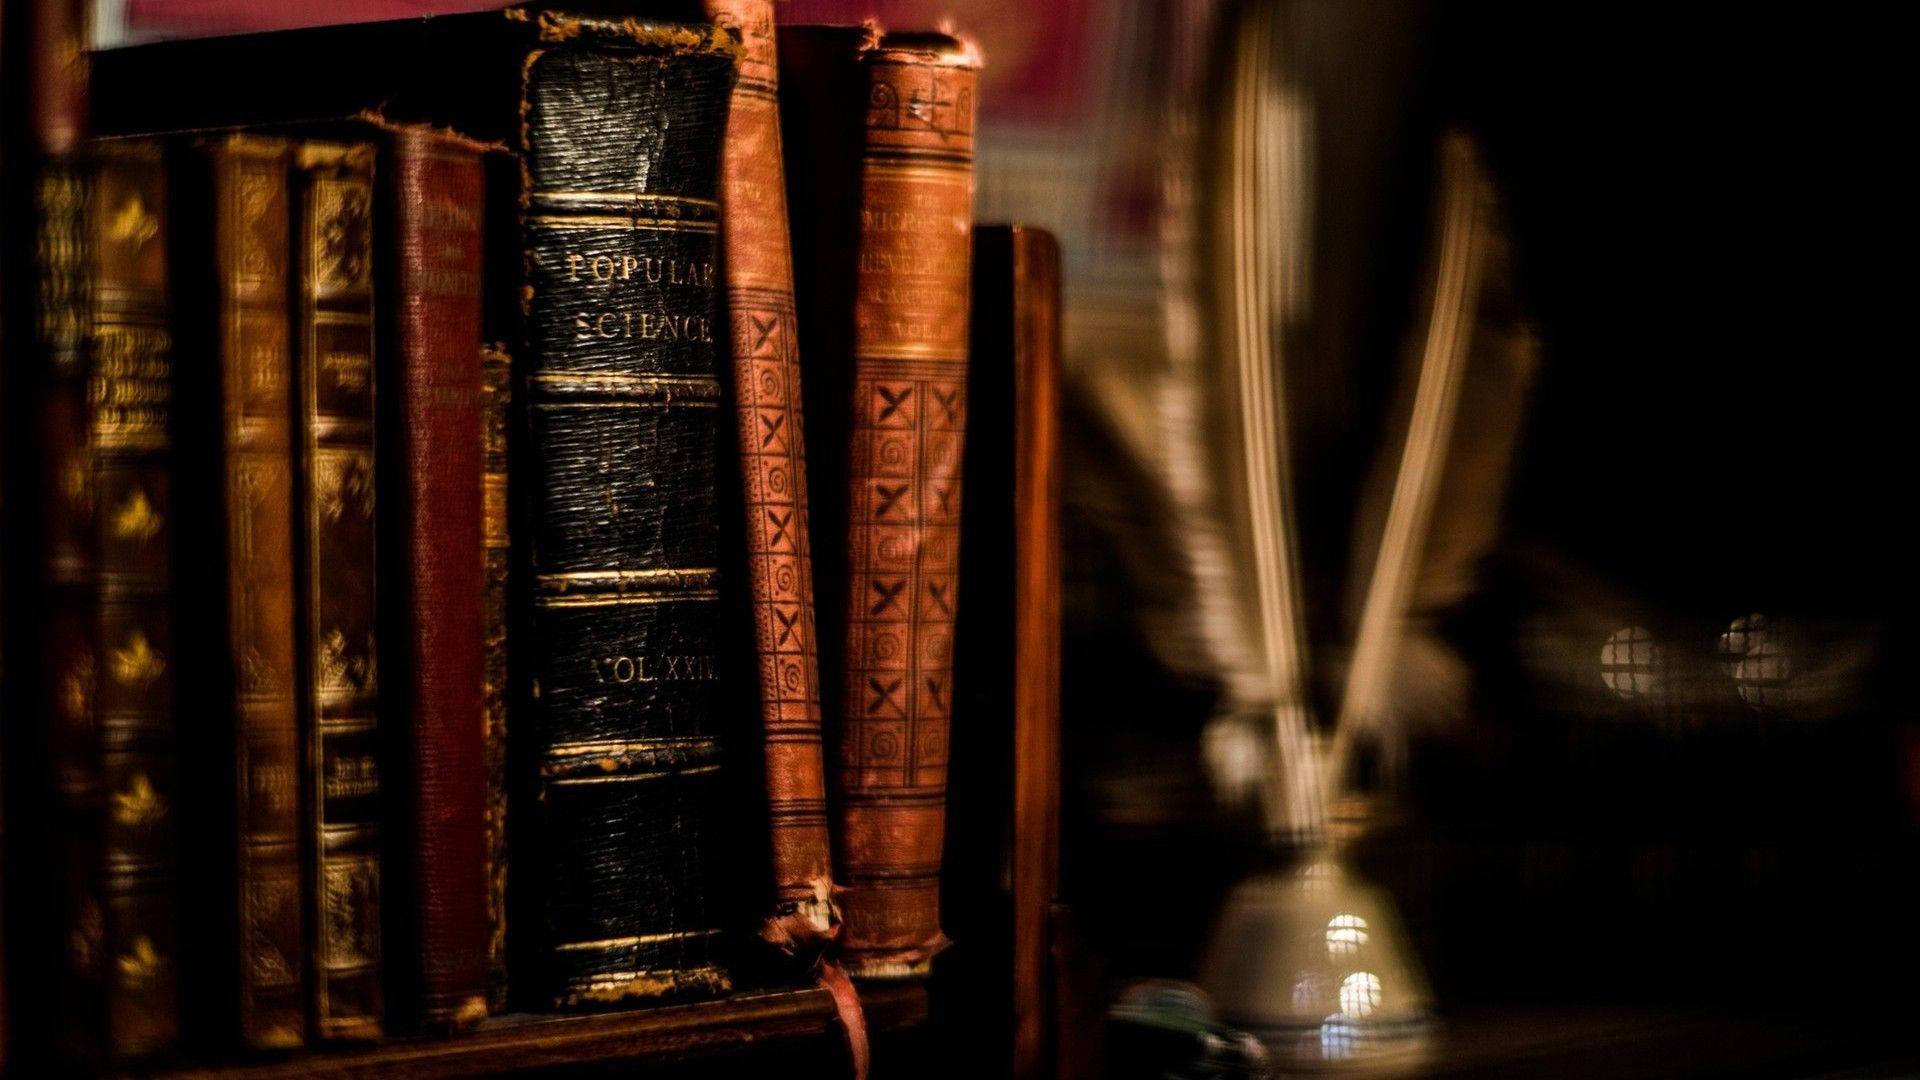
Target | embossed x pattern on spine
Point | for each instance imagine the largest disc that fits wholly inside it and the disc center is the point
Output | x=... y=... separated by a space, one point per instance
x=903 y=543
x=766 y=387
x=622 y=125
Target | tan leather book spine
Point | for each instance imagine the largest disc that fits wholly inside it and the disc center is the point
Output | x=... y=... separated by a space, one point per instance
x=903 y=511
x=336 y=590
x=767 y=426
x=252 y=229
x=496 y=373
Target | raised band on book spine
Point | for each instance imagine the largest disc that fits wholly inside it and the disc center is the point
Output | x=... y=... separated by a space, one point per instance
x=339 y=587
x=768 y=430
x=621 y=131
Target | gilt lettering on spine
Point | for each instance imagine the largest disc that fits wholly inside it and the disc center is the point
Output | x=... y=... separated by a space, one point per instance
x=621 y=131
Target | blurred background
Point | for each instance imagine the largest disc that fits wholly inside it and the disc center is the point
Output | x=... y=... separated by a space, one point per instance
x=1639 y=738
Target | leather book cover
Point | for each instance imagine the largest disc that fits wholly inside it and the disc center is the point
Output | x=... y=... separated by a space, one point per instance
x=129 y=390
x=45 y=107
x=496 y=374
x=432 y=215
x=823 y=93
x=764 y=349
x=102 y=443
x=68 y=597
x=50 y=525
x=338 y=589
x=252 y=467
x=904 y=435
x=621 y=136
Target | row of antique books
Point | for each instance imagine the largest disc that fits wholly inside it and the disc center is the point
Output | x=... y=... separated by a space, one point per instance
x=414 y=542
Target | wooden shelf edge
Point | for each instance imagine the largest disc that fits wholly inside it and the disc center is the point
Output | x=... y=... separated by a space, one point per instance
x=526 y=1041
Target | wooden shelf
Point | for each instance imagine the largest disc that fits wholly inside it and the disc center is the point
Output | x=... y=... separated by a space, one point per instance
x=535 y=1041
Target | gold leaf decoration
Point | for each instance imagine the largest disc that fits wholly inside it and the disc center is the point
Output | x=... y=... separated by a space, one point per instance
x=343 y=484
x=332 y=661
x=140 y=804
x=84 y=936
x=137 y=519
x=343 y=669
x=76 y=688
x=141 y=965
x=343 y=236
x=76 y=482
x=133 y=224
x=136 y=663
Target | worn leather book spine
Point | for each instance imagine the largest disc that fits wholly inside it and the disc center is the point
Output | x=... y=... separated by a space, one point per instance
x=908 y=422
x=104 y=441
x=129 y=391
x=69 y=596
x=435 y=596
x=768 y=430
x=338 y=587
x=53 y=661
x=496 y=374
x=252 y=231
x=823 y=94
x=622 y=124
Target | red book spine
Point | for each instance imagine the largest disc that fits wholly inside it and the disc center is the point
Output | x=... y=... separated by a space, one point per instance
x=437 y=193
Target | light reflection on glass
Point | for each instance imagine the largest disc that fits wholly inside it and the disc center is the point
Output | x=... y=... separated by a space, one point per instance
x=1756 y=657
x=1630 y=662
x=1345 y=934
x=1360 y=994
x=1319 y=877
x=1337 y=1034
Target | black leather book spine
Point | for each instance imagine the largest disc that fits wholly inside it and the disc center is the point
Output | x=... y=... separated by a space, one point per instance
x=621 y=132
